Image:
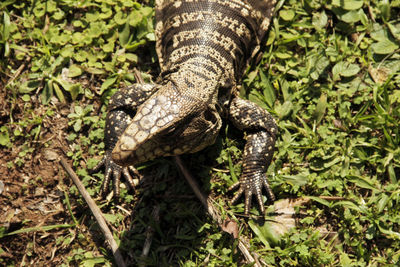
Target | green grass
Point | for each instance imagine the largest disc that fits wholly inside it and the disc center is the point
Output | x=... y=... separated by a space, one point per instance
x=330 y=75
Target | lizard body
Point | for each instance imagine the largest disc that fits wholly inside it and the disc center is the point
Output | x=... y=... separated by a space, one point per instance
x=203 y=48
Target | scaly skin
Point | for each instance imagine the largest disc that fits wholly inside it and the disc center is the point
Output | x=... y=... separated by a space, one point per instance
x=121 y=109
x=203 y=49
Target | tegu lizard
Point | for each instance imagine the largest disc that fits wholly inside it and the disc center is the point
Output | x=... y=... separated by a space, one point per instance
x=203 y=47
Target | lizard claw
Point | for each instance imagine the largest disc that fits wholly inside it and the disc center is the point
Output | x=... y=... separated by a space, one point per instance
x=115 y=171
x=252 y=184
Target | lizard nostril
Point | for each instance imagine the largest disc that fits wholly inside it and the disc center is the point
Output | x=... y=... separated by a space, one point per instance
x=169 y=132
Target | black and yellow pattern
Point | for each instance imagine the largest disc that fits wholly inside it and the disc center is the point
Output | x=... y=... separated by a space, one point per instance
x=203 y=49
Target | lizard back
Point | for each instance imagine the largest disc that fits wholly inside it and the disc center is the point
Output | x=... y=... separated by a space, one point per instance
x=216 y=38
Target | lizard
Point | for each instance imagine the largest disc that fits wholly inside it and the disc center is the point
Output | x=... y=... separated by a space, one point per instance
x=204 y=48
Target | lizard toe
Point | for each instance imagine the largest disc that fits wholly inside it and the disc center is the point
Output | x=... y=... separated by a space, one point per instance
x=260 y=201
x=116 y=180
x=238 y=193
x=247 y=201
x=132 y=182
x=270 y=194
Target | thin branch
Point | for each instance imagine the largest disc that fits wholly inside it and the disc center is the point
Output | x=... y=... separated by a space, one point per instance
x=138 y=76
x=149 y=235
x=214 y=212
x=96 y=212
x=19 y=70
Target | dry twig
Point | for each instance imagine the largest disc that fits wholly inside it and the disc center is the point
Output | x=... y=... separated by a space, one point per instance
x=150 y=233
x=96 y=212
x=19 y=70
x=214 y=212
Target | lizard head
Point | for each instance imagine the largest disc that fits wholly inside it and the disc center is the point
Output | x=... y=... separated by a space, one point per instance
x=169 y=123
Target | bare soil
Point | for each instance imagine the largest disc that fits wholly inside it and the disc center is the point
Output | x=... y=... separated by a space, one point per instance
x=32 y=195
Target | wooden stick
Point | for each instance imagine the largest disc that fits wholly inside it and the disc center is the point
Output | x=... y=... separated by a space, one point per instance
x=18 y=72
x=214 y=212
x=149 y=236
x=96 y=212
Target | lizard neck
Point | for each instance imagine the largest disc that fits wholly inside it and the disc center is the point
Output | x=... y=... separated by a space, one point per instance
x=197 y=79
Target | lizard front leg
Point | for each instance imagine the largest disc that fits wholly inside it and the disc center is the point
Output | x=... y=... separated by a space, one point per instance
x=121 y=109
x=261 y=133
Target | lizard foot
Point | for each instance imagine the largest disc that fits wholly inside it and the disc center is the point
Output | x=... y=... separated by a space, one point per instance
x=115 y=171
x=252 y=184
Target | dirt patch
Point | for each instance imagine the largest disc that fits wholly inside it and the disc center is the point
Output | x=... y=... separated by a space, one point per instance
x=31 y=194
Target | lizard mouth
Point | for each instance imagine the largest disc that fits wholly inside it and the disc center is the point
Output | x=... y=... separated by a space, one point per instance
x=188 y=135
x=186 y=138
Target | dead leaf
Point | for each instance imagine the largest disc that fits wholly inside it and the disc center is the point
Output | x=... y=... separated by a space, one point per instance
x=50 y=154
x=231 y=227
x=379 y=75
